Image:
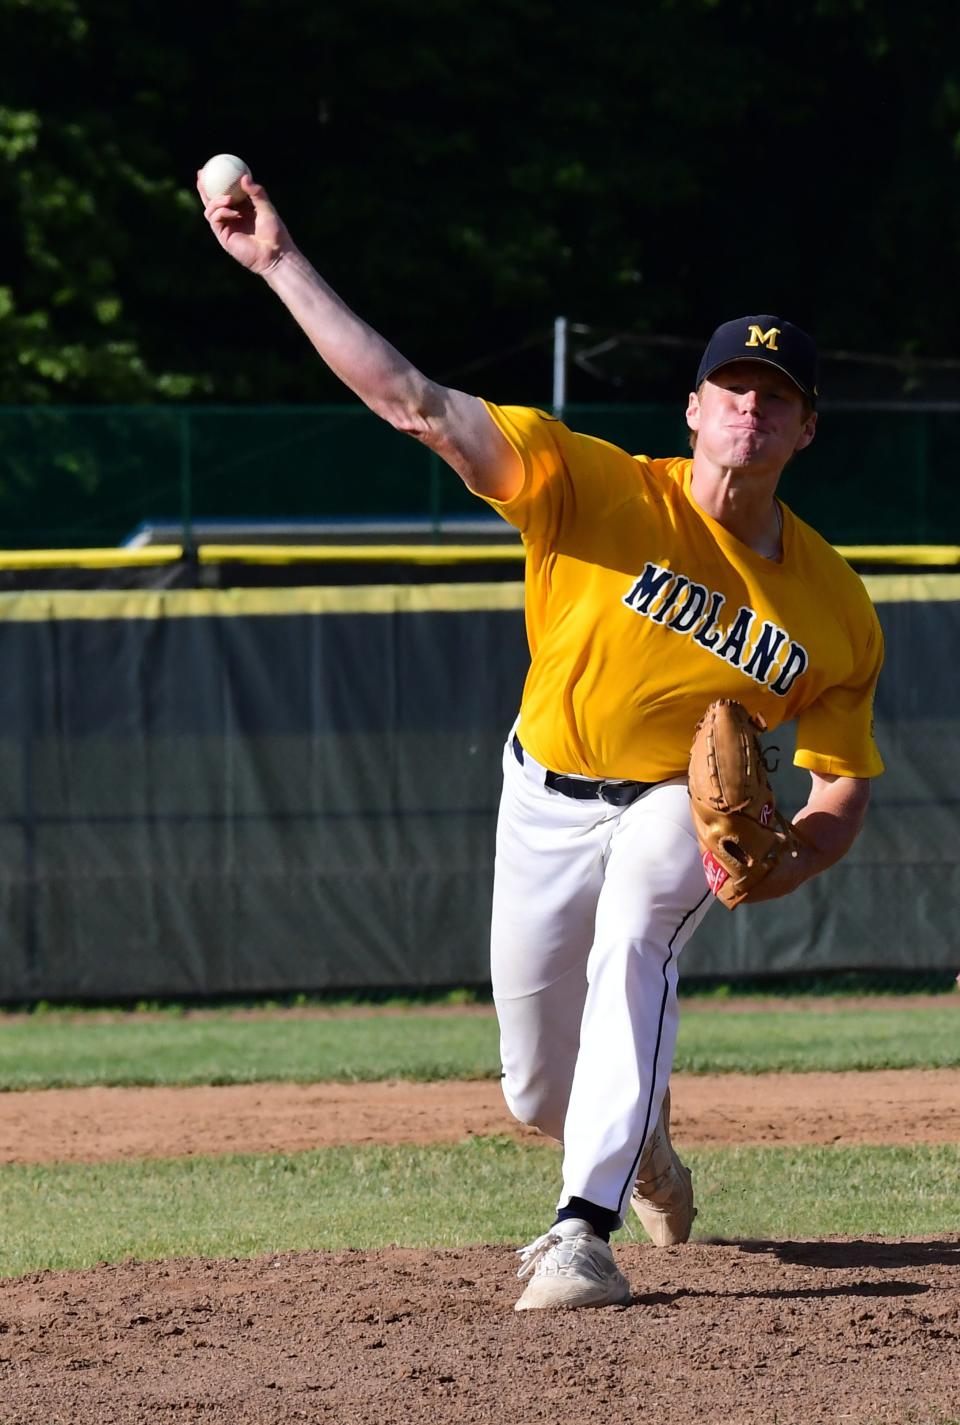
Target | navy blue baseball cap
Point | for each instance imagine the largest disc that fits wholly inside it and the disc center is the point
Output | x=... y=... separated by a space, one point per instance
x=764 y=338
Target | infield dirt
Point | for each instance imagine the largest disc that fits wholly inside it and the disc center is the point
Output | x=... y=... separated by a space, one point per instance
x=899 y=1106
x=752 y=1332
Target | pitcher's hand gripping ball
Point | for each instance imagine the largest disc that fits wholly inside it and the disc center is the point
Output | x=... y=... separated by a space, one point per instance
x=742 y=836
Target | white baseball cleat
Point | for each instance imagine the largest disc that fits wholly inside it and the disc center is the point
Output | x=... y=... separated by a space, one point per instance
x=571 y=1267
x=663 y=1192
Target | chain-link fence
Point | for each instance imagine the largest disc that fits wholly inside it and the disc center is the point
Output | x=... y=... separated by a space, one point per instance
x=90 y=476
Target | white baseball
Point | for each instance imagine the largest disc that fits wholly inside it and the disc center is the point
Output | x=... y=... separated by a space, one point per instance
x=222 y=174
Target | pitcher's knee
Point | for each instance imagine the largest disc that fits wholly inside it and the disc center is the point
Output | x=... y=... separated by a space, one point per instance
x=539 y=1105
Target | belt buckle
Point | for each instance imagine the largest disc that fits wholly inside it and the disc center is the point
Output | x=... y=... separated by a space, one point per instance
x=628 y=793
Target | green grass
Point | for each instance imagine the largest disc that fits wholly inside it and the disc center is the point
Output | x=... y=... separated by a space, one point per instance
x=486 y=1190
x=921 y=1037
x=47 y=1051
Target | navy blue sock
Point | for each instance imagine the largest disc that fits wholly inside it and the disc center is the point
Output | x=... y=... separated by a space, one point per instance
x=601 y=1219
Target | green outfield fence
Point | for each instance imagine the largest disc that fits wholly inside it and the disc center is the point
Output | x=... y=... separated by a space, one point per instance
x=239 y=790
x=91 y=475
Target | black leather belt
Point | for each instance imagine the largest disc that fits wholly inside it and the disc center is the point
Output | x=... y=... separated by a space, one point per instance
x=583 y=789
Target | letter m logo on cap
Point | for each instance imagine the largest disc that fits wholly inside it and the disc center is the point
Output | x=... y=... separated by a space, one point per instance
x=759 y=337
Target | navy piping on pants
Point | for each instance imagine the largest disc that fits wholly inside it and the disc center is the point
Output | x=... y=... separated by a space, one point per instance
x=628 y=1185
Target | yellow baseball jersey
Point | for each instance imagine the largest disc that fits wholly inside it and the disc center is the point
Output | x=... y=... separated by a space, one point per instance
x=641 y=609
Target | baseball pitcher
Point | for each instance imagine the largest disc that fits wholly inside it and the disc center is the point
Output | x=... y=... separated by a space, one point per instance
x=669 y=602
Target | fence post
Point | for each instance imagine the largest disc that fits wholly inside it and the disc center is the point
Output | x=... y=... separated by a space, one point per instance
x=923 y=533
x=186 y=480
x=559 y=366
x=435 y=496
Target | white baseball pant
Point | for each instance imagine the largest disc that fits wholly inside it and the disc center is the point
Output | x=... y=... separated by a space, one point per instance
x=592 y=905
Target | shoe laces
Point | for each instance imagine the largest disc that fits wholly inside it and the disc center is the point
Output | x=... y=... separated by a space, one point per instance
x=657 y=1167
x=534 y=1252
x=650 y=1187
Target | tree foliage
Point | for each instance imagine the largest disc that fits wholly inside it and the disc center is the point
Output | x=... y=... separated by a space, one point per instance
x=462 y=174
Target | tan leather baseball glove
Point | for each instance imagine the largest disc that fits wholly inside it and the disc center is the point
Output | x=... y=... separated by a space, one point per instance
x=742 y=836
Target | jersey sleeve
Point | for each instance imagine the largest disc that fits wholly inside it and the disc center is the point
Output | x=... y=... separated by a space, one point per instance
x=567 y=477
x=835 y=734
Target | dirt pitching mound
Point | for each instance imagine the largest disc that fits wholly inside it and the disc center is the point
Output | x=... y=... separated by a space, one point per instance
x=745 y=1332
